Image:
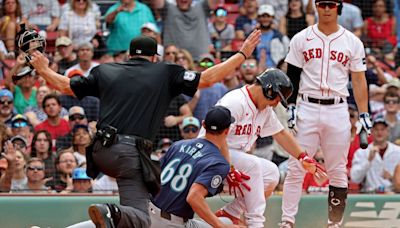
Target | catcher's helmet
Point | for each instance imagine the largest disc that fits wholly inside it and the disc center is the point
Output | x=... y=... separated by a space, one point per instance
x=275 y=82
x=29 y=39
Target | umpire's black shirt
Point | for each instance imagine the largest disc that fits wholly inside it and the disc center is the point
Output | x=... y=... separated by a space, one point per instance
x=135 y=95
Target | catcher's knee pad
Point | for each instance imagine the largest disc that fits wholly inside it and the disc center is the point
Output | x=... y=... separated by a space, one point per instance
x=336 y=203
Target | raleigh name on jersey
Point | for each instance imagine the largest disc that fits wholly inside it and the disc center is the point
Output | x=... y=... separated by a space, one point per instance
x=250 y=123
x=326 y=60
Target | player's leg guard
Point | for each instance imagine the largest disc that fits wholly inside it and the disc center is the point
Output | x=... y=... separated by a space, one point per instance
x=336 y=203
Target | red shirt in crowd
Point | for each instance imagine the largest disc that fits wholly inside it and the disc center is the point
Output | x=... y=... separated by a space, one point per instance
x=55 y=131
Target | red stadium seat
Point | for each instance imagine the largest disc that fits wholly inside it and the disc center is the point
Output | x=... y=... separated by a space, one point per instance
x=51 y=42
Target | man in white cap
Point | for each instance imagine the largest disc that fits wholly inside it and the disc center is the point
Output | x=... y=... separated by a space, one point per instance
x=68 y=56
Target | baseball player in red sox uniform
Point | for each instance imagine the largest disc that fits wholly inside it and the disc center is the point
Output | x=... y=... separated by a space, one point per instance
x=252 y=108
x=319 y=62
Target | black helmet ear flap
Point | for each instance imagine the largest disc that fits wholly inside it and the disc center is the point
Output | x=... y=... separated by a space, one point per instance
x=269 y=92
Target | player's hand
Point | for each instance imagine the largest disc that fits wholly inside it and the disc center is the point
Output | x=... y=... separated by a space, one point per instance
x=313 y=167
x=292 y=118
x=251 y=43
x=236 y=182
x=364 y=122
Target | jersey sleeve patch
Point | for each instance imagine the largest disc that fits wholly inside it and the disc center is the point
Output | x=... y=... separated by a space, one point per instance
x=189 y=76
x=216 y=181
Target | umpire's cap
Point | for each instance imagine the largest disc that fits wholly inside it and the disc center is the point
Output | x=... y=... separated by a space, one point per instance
x=218 y=118
x=143 y=45
x=275 y=82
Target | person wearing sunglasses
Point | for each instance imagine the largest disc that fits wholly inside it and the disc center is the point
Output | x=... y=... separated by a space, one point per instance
x=6 y=106
x=320 y=60
x=221 y=31
x=20 y=127
x=249 y=70
x=35 y=178
x=190 y=127
x=77 y=116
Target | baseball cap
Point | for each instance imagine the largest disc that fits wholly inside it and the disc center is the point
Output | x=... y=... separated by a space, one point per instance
x=164 y=141
x=80 y=174
x=190 y=121
x=63 y=41
x=6 y=93
x=75 y=72
x=218 y=118
x=21 y=138
x=80 y=126
x=143 y=45
x=207 y=56
x=18 y=118
x=151 y=27
x=380 y=120
x=76 y=110
x=221 y=11
x=266 y=9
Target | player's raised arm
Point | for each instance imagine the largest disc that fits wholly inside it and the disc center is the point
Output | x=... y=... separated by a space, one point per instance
x=220 y=71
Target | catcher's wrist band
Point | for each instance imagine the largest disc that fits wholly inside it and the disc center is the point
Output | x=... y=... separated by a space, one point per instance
x=240 y=52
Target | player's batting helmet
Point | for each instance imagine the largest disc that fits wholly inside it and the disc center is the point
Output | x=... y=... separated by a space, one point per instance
x=275 y=82
x=339 y=8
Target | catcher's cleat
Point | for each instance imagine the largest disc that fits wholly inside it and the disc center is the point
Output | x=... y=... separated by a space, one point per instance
x=286 y=224
x=222 y=213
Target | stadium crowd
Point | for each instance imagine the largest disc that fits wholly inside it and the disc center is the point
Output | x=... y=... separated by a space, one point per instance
x=43 y=133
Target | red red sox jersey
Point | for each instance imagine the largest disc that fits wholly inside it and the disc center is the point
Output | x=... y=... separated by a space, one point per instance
x=326 y=60
x=250 y=123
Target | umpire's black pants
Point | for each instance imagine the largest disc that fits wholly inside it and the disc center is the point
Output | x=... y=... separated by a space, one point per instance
x=122 y=161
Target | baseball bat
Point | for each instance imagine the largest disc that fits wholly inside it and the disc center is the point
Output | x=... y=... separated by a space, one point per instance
x=363 y=139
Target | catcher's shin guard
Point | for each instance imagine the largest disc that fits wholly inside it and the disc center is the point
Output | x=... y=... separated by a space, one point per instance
x=336 y=203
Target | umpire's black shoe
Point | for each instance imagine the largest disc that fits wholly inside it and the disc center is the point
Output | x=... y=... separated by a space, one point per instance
x=104 y=215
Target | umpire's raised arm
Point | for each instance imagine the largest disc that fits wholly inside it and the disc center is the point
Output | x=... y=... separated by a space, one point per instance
x=218 y=72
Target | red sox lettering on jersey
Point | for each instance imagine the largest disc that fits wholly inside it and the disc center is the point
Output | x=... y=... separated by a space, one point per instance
x=250 y=122
x=322 y=56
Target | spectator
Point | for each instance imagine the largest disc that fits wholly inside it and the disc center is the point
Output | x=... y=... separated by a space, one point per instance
x=245 y=24
x=351 y=18
x=232 y=80
x=125 y=19
x=190 y=127
x=374 y=167
x=11 y=16
x=6 y=107
x=185 y=23
x=20 y=126
x=67 y=54
x=54 y=124
x=90 y=104
x=21 y=144
x=273 y=46
x=295 y=19
x=120 y=56
x=80 y=140
x=99 y=45
x=77 y=116
x=85 y=57
x=41 y=14
x=184 y=58
x=19 y=178
x=208 y=96
x=94 y=8
x=36 y=115
x=221 y=32
x=81 y=182
x=170 y=53
x=41 y=148
x=35 y=173
x=24 y=90
x=10 y=166
x=380 y=27
x=392 y=115
x=65 y=164
x=249 y=70
x=79 y=23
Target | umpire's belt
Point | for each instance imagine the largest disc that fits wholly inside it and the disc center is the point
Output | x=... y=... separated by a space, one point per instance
x=322 y=101
x=171 y=217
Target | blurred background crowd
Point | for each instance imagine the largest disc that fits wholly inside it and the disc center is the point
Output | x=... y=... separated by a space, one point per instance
x=48 y=131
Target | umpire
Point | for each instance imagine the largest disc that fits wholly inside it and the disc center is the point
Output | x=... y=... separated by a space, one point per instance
x=134 y=96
